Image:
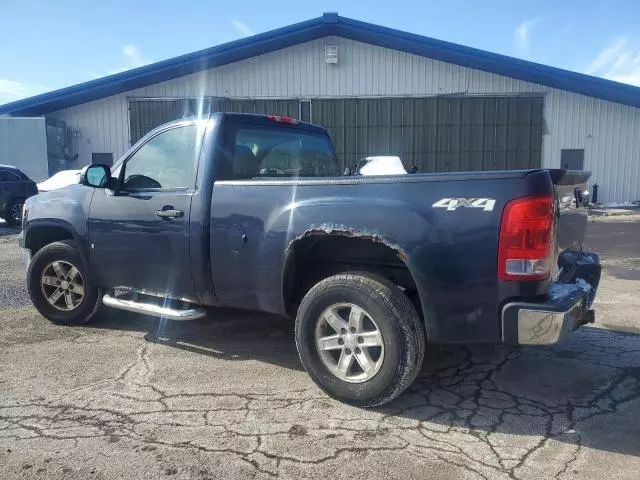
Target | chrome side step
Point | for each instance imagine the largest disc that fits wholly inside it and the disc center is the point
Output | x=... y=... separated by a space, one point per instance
x=153 y=309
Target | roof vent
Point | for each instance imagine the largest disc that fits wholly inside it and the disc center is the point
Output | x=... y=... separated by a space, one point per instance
x=331 y=53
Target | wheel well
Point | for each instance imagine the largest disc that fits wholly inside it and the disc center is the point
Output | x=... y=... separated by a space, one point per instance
x=39 y=237
x=316 y=257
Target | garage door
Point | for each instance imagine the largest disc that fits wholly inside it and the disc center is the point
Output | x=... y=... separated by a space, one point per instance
x=437 y=134
x=433 y=134
x=145 y=115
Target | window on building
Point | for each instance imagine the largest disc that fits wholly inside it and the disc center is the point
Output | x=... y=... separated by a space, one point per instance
x=166 y=161
x=260 y=152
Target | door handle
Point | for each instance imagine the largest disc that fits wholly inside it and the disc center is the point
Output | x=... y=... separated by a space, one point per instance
x=169 y=213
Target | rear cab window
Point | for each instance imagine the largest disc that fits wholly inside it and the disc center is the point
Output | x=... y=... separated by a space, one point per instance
x=277 y=151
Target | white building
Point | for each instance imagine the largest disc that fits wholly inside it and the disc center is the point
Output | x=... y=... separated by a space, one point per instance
x=439 y=106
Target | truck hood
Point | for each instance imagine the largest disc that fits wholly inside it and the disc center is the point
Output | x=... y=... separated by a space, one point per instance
x=60 y=180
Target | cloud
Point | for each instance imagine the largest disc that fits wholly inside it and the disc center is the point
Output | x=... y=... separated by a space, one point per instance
x=522 y=35
x=10 y=90
x=132 y=59
x=243 y=28
x=619 y=61
x=608 y=55
x=132 y=53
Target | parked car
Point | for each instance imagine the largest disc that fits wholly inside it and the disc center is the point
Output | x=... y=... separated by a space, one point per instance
x=62 y=179
x=252 y=212
x=15 y=188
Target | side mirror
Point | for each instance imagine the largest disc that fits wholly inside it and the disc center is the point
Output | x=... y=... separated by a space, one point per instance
x=96 y=176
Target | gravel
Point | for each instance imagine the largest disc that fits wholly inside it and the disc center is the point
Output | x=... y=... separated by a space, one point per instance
x=226 y=397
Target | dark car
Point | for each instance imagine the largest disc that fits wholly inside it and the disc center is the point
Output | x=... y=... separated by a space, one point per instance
x=252 y=212
x=15 y=188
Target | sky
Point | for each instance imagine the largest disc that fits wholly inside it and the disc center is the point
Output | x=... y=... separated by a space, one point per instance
x=47 y=44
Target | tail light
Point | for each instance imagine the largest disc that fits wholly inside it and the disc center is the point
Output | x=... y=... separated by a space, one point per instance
x=526 y=239
x=282 y=119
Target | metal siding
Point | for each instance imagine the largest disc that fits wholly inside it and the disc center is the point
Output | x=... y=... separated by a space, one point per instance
x=23 y=143
x=276 y=74
x=610 y=135
x=103 y=126
x=609 y=132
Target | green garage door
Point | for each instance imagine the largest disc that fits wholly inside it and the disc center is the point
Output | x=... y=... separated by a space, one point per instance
x=437 y=134
x=145 y=115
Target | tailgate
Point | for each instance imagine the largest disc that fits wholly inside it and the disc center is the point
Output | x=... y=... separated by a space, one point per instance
x=573 y=199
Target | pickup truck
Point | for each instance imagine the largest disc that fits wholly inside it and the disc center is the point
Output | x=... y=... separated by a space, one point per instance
x=254 y=212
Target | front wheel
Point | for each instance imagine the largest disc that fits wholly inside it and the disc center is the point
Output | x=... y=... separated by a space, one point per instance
x=359 y=338
x=59 y=287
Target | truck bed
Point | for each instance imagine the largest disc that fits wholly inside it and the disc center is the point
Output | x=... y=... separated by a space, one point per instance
x=450 y=249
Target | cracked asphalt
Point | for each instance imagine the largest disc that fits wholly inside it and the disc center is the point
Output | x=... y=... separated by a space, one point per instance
x=226 y=397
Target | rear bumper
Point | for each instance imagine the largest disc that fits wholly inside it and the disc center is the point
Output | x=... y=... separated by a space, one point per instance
x=568 y=305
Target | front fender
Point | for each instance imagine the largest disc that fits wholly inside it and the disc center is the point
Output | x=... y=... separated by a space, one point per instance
x=67 y=208
x=69 y=205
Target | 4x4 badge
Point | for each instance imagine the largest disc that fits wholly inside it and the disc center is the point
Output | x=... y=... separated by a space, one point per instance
x=486 y=204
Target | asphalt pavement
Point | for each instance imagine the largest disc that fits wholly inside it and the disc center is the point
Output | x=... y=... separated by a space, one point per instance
x=226 y=397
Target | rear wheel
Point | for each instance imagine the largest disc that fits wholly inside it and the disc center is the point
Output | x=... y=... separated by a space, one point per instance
x=59 y=287
x=13 y=215
x=359 y=338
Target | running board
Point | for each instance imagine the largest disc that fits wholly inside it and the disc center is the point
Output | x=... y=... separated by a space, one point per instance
x=154 y=310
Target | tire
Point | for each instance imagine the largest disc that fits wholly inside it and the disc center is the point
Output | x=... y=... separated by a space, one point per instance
x=13 y=214
x=52 y=262
x=388 y=311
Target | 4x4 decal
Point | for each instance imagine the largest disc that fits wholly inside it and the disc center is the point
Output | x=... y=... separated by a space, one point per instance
x=486 y=204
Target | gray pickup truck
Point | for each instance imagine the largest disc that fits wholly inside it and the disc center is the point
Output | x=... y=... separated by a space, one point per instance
x=253 y=212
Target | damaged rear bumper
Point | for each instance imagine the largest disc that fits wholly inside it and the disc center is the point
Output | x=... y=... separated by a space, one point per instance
x=568 y=305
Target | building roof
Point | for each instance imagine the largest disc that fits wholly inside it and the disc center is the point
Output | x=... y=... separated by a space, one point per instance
x=327 y=24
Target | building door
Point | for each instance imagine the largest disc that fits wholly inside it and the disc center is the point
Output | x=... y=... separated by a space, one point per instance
x=434 y=134
x=437 y=134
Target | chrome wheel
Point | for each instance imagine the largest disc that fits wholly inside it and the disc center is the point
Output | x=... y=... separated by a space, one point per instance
x=62 y=285
x=16 y=213
x=349 y=343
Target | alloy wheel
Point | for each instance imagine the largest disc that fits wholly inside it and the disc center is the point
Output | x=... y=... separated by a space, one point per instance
x=62 y=285
x=349 y=342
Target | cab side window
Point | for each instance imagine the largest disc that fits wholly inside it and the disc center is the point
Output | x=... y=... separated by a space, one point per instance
x=166 y=162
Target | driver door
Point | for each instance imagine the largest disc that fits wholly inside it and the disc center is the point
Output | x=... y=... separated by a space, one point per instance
x=139 y=235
